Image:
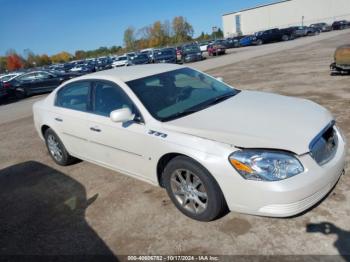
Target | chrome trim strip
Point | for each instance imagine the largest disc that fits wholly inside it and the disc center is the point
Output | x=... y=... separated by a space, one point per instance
x=122 y=150
x=84 y=139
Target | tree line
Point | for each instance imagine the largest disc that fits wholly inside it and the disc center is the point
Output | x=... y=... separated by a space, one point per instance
x=158 y=34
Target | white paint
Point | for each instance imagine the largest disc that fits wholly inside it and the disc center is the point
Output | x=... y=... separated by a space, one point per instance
x=249 y=119
x=287 y=13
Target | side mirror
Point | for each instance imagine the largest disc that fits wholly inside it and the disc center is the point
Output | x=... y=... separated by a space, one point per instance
x=121 y=115
x=220 y=79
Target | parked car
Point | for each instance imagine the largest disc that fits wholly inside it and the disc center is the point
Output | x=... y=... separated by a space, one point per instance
x=150 y=52
x=102 y=64
x=140 y=59
x=203 y=46
x=172 y=126
x=340 y=25
x=322 y=27
x=300 y=31
x=165 y=55
x=246 y=40
x=34 y=83
x=272 y=35
x=341 y=63
x=178 y=53
x=121 y=61
x=232 y=42
x=83 y=68
x=313 y=31
x=191 y=53
x=8 y=77
x=216 y=49
x=3 y=92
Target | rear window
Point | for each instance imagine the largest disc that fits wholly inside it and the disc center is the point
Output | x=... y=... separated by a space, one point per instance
x=74 y=96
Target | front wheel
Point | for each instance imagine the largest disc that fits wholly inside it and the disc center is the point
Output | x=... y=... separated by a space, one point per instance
x=56 y=149
x=260 y=42
x=193 y=190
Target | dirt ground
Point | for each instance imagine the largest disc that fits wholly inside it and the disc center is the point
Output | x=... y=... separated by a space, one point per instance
x=86 y=209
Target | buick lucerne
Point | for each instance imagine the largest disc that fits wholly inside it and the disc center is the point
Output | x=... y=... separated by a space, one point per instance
x=212 y=147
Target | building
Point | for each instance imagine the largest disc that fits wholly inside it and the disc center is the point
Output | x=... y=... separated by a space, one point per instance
x=284 y=14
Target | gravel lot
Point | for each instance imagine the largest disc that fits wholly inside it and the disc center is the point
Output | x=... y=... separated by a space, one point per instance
x=86 y=209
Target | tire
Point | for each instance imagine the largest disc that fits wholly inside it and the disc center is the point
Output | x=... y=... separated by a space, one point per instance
x=21 y=93
x=57 y=150
x=260 y=42
x=198 y=195
x=285 y=38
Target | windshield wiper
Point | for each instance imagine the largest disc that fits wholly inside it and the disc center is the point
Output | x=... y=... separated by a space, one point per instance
x=180 y=114
x=199 y=107
x=219 y=99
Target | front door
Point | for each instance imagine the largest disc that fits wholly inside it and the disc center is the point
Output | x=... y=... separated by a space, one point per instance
x=121 y=146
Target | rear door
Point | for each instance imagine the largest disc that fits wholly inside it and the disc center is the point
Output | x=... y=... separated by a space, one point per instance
x=45 y=82
x=73 y=106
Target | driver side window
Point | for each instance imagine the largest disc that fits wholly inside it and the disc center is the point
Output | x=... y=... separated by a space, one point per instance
x=109 y=97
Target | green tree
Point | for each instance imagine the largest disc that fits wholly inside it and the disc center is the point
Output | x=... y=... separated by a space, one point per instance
x=61 y=57
x=3 y=64
x=80 y=54
x=203 y=36
x=129 y=38
x=218 y=34
x=159 y=34
x=182 y=30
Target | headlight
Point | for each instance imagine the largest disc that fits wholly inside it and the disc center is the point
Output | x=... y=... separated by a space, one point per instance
x=264 y=165
x=199 y=53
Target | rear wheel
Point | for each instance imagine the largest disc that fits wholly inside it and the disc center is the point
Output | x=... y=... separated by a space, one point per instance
x=193 y=190
x=57 y=150
x=21 y=93
x=285 y=37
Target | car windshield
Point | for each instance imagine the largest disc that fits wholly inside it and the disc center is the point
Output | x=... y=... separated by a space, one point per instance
x=191 y=48
x=121 y=58
x=7 y=77
x=141 y=57
x=164 y=52
x=171 y=95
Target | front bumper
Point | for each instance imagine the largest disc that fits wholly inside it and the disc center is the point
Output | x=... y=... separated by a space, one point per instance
x=287 y=197
x=193 y=58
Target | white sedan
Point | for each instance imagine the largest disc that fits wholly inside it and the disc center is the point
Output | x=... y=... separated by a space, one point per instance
x=213 y=147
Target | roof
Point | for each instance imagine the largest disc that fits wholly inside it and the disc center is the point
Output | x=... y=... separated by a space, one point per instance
x=128 y=73
x=256 y=7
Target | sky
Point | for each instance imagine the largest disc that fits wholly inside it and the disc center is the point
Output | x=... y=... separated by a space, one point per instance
x=52 y=26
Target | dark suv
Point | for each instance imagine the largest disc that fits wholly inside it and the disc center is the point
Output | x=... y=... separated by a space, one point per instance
x=191 y=53
x=165 y=55
x=272 y=35
x=340 y=25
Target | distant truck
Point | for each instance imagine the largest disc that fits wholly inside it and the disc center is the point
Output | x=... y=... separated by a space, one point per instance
x=341 y=63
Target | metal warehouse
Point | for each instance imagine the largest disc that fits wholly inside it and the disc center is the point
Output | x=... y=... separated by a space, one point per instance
x=284 y=14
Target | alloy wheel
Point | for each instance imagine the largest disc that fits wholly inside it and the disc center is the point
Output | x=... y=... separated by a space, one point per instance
x=189 y=190
x=54 y=148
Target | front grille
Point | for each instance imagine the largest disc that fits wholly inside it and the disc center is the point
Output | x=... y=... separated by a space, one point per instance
x=324 y=146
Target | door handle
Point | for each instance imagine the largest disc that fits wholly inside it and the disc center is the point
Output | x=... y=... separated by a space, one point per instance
x=95 y=129
x=59 y=119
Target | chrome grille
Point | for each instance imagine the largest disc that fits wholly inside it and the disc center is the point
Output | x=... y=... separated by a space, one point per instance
x=324 y=146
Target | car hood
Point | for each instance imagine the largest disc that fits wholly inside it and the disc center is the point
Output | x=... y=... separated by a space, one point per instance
x=257 y=120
